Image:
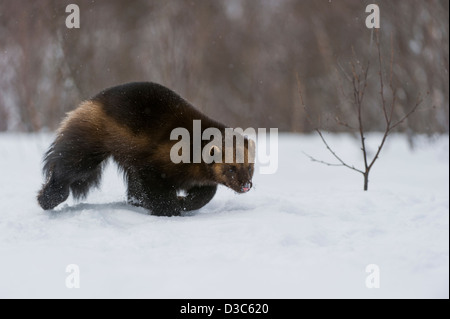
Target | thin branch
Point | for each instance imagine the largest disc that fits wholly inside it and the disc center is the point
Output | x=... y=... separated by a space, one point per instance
x=344 y=124
x=320 y=133
x=394 y=100
x=340 y=87
x=308 y=117
x=335 y=155
x=344 y=72
x=385 y=135
x=358 y=104
x=411 y=111
x=366 y=72
x=299 y=89
x=380 y=73
x=388 y=118
x=391 y=68
x=391 y=83
x=355 y=75
x=319 y=161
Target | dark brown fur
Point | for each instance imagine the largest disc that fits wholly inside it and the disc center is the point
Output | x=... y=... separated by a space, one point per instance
x=132 y=124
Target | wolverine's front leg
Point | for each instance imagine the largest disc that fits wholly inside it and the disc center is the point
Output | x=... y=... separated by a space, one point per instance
x=197 y=197
x=145 y=190
x=164 y=203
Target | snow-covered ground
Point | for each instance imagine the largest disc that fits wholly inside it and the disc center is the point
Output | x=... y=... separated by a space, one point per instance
x=307 y=231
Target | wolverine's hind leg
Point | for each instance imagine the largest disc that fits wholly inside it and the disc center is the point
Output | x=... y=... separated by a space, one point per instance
x=136 y=195
x=86 y=180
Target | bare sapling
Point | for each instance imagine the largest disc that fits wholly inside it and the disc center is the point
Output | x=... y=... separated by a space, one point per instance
x=358 y=83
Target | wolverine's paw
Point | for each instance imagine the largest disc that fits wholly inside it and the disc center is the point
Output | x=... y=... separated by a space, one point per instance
x=135 y=201
x=166 y=214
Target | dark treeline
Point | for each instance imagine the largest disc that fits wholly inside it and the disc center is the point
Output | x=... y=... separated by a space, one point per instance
x=236 y=60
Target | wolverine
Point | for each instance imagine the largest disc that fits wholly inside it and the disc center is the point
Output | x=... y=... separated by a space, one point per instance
x=132 y=124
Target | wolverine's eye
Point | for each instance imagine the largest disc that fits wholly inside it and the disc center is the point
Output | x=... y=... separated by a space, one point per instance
x=232 y=169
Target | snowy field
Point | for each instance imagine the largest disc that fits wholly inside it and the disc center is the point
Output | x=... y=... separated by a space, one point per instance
x=307 y=231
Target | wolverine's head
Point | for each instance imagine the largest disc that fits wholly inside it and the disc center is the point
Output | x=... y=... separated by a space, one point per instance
x=235 y=170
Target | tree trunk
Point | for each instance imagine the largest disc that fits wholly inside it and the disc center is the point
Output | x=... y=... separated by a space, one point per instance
x=366 y=181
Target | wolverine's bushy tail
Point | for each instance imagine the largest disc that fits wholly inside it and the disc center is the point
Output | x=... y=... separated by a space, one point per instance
x=74 y=160
x=69 y=166
x=55 y=190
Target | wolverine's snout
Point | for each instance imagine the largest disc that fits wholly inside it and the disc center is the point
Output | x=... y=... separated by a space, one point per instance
x=246 y=187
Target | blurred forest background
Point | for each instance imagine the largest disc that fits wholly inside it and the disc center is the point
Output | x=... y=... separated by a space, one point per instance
x=236 y=60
